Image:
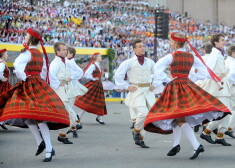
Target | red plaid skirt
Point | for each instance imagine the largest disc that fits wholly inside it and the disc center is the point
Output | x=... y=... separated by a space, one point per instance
x=4 y=86
x=182 y=98
x=33 y=99
x=93 y=101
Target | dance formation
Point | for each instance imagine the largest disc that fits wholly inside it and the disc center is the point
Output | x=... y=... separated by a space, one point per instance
x=197 y=91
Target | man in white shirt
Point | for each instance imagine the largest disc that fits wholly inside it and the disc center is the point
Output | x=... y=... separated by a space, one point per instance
x=59 y=80
x=216 y=63
x=141 y=96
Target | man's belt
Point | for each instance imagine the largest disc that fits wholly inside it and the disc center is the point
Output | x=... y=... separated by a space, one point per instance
x=141 y=84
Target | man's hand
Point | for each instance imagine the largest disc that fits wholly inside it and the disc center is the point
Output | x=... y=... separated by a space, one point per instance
x=69 y=79
x=132 y=88
x=62 y=83
x=151 y=88
x=4 y=79
x=97 y=78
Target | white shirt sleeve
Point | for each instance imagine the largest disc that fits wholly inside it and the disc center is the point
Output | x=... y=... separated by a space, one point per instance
x=211 y=60
x=53 y=70
x=43 y=74
x=76 y=71
x=198 y=70
x=121 y=73
x=159 y=75
x=231 y=74
x=88 y=74
x=20 y=64
x=2 y=67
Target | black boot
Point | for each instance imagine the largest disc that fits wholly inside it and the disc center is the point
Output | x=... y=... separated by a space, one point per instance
x=229 y=133
x=79 y=126
x=222 y=142
x=64 y=140
x=41 y=148
x=196 y=128
x=132 y=125
x=142 y=144
x=174 y=151
x=207 y=138
x=199 y=150
x=136 y=137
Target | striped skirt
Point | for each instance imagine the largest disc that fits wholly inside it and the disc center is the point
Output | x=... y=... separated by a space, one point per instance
x=93 y=101
x=33 y=99
x=182 y=98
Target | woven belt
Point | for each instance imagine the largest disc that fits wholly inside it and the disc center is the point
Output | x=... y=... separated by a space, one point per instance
x=142 y=84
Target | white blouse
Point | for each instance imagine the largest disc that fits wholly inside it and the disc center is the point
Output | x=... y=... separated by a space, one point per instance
x=88 y=74
x=75 y=71
x=161 y=76
x=21 y=62
x=2 y=67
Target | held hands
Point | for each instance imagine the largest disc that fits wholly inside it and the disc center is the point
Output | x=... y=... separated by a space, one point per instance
x=69 y=80
x=96 y=78
x=132 y=88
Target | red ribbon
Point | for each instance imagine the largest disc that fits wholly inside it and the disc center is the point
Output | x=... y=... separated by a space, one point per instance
x=36 y=35
x=3 y=50
x=212 y=74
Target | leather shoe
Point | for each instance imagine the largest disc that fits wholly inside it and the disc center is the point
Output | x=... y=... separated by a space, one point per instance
x=3 y=127
x=222 y=142
x=199 y=150
x=207 y=138
x=41 y=148
x=174 y=151
x=142 y=144
x=64 y=140
x=100 y=121
x=196 y=128
x=79 y=126
x=52 y=154
x=230 y=134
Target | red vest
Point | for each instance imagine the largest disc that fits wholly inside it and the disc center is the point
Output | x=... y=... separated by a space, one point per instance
x=181 y=64
x=34 y=66
x=97 y=72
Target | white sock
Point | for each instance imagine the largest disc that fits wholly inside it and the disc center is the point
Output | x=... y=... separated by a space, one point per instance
x=35 y=131
x=177 y=135
x=46 y=136
x=189 y=133
x=81 y=113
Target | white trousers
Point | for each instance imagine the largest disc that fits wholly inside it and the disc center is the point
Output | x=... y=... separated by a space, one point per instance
x=141 y=113
x=222 y=124
x=72 y=115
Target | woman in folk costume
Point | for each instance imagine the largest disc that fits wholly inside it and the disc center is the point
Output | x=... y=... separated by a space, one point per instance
x=74 y=88
x=4 y=77
x=182 y=104
x=31 y=102
x=93 y=101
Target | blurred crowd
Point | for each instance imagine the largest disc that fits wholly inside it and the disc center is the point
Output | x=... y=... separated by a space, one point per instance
x=101 y=23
